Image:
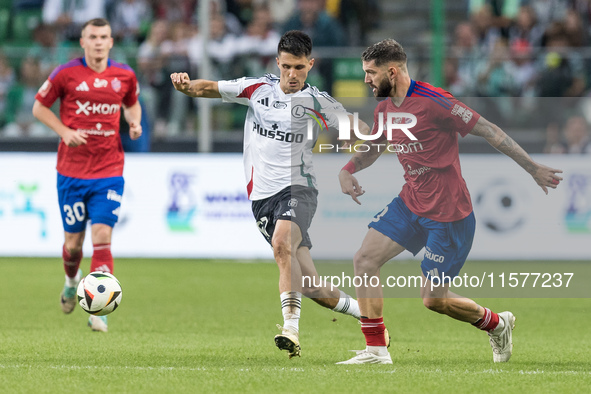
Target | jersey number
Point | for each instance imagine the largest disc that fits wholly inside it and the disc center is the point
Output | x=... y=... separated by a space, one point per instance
x=74 y=213
x=380 y=215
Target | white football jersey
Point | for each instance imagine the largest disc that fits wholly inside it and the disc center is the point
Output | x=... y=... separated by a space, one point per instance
x=279 y=132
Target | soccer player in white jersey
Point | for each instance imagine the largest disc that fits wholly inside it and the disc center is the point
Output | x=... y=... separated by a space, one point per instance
x=282 y=190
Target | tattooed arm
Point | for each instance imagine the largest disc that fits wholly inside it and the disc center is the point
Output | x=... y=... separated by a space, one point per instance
x=360 y=160
x=544 y=176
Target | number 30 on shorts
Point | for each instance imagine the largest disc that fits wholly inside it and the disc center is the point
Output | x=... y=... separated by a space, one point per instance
x=74 y=213
x=380 y=215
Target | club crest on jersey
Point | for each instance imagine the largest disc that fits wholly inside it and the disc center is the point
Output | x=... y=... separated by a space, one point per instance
x=116 y=85
x=299 y=111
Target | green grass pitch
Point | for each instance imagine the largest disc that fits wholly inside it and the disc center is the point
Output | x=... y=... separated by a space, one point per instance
x=187 y=326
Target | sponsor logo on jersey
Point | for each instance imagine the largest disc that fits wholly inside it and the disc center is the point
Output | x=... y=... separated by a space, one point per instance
x=264 y=101
x=418 y=171
x=100 y=83
x=105 y=133
x=292 y=203
x=116 y=85
x=45 y=88
x=96 y=108
x=83 y=87
x=401 y=149
x=279 y=105
x=276 y=134
x=462 y=112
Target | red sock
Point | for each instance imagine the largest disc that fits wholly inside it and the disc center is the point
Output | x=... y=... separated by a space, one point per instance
x=102 y=259
x=488 y=322
x=71 y=262
x=373 y=329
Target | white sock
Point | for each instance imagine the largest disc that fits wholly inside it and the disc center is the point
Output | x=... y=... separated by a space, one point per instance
x=499 y=328
x=347 y=305
x=72 y=282
x=377 y=350
x=291 y=305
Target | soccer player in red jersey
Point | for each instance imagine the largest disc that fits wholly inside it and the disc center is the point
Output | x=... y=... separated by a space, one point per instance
x=433 y=209
x=92 y=90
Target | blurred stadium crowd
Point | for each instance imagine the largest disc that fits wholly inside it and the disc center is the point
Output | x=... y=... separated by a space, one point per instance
x=517 y=51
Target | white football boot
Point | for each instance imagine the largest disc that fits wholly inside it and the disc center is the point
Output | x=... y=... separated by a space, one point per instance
x=288 y=340
x=98 y=323
x=502 y=344
x=367 y=357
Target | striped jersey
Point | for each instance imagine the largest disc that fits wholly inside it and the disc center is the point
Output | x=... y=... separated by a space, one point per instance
x=434 y=186
x=280 y=131
x=91 y=103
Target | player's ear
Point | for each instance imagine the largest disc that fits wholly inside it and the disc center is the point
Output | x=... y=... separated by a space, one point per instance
x=277 y=59
x=392 y=72
x=311 y=64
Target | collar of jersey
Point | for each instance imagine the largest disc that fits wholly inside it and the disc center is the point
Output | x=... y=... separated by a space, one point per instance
x=86 y=65
x=278 y=87
x=411 y=88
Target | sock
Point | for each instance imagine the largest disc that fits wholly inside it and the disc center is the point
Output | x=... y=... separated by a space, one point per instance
x=73 y=282
x=291 y=305
x=373 y=329
x=102 y=260
x=71 y=262
x=347 y=305
x=377 y=350
x=489 y=321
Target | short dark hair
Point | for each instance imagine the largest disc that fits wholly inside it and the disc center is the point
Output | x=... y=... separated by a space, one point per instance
x=383 y=52
x=99 y=22
x=296 y=43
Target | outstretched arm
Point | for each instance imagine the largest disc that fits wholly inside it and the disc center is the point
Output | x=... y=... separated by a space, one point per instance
x=196 y=87
x=544 y=176
x=360 y=160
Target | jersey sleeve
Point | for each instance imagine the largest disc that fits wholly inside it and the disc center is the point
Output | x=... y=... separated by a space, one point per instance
x=328 y=107
x=459 y=117
x=239 y=90
x=51 y=89
x=133 y=92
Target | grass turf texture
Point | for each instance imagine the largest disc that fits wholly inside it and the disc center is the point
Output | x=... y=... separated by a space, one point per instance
x=208 y=326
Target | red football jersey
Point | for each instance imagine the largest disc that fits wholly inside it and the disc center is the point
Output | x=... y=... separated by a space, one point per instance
x=434 y=185
x=91 y=103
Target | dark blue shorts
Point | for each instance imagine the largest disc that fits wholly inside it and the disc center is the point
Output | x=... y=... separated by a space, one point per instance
x=82 y=199
x=446 y=244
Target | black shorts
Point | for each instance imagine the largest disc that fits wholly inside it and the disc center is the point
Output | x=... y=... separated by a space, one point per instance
x=295 y=203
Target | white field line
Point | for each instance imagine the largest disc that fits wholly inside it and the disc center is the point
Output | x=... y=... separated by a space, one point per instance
x=277 y=369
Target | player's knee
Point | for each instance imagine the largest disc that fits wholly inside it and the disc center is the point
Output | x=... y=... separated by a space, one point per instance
x=363 y=263
x=435 y=304
x=73 y=248
x=281 y=247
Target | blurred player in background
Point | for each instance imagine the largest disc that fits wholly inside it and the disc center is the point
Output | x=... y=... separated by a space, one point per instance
x=92 y=90
x=279 y=173
x=433 y=209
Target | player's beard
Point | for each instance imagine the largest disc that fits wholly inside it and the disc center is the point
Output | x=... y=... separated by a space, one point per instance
x=384 y=89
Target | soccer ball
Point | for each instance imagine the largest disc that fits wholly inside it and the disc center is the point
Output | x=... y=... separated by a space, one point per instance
x=99 y=293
